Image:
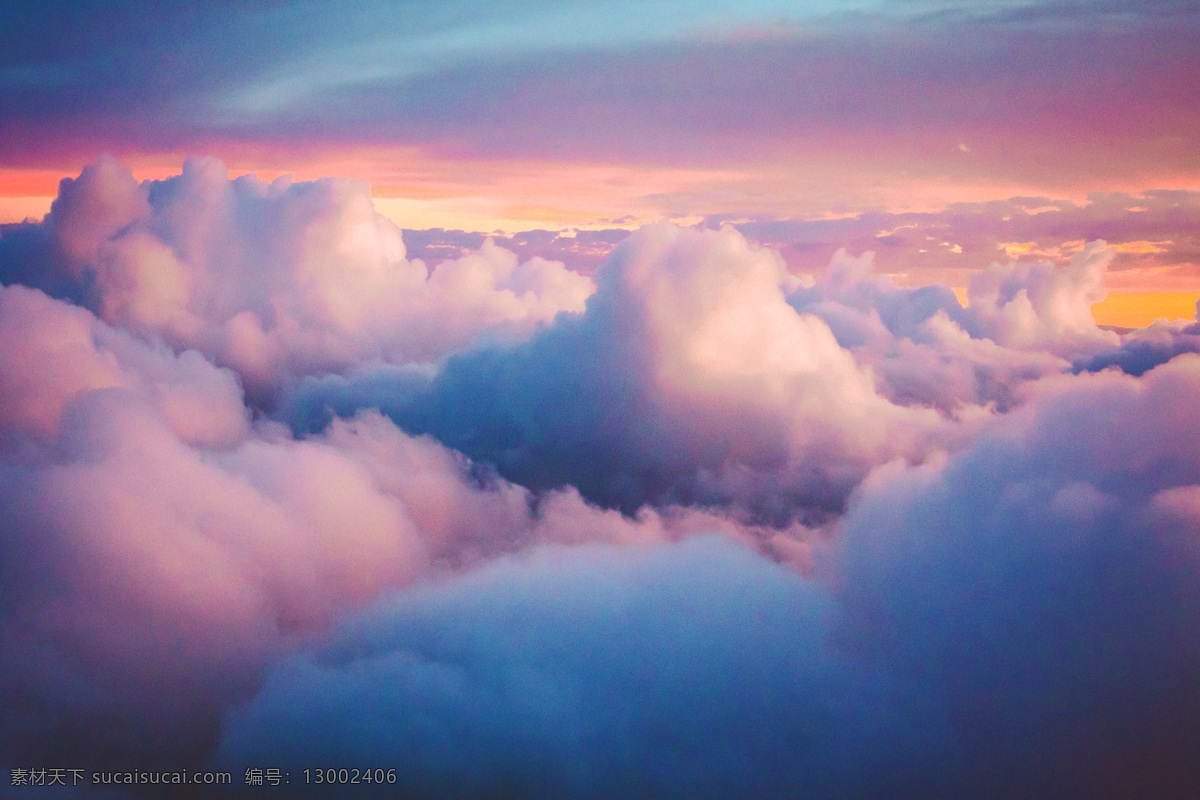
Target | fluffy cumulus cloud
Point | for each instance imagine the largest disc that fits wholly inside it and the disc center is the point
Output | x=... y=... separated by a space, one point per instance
x=154 y=537
x=1048 y=581
x=702 y=371
x=274 y=280
x=924 y=348
x=695 y=670
x=1043 y=307
x=275 y=495
x=51 y=352
x=688 y=379
x=159 y=548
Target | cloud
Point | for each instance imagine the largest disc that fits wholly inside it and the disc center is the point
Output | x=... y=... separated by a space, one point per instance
x=702 y=372
x=1020 y=619
x=697 y=670
x=688 y=379
x=1047 y=579
x=956 y=551
x=1142 y=350
x=274 y=280
x=1152 y=232
x=582 y=251
x=146 y=580
x=1040 y=306
x=159 y=548
x=925 y=349
x=479 y=83
x=51 y=352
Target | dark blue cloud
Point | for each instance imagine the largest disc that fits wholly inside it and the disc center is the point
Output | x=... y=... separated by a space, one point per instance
x=1021 y=620
x=698 y=670
x=1048 y=579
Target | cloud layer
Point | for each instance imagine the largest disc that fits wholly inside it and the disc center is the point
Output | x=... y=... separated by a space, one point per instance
x=159 y=549
x=703 y=372
x=689 y=378
x=1048 y=581
x=696 y=670
x=1152 y=234
x=276 y=495
x=1019 y=620
x=275 y=280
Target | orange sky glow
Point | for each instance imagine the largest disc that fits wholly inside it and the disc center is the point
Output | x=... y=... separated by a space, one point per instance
x=420 y=190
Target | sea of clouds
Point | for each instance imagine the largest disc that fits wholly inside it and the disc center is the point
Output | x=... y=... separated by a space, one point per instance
x=277 y=496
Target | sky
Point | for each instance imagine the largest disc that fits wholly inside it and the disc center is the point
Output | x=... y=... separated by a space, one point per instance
x=705 y=400
x=560 y=116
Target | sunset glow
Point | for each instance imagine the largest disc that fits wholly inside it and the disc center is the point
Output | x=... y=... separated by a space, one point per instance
x=1138 y=310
